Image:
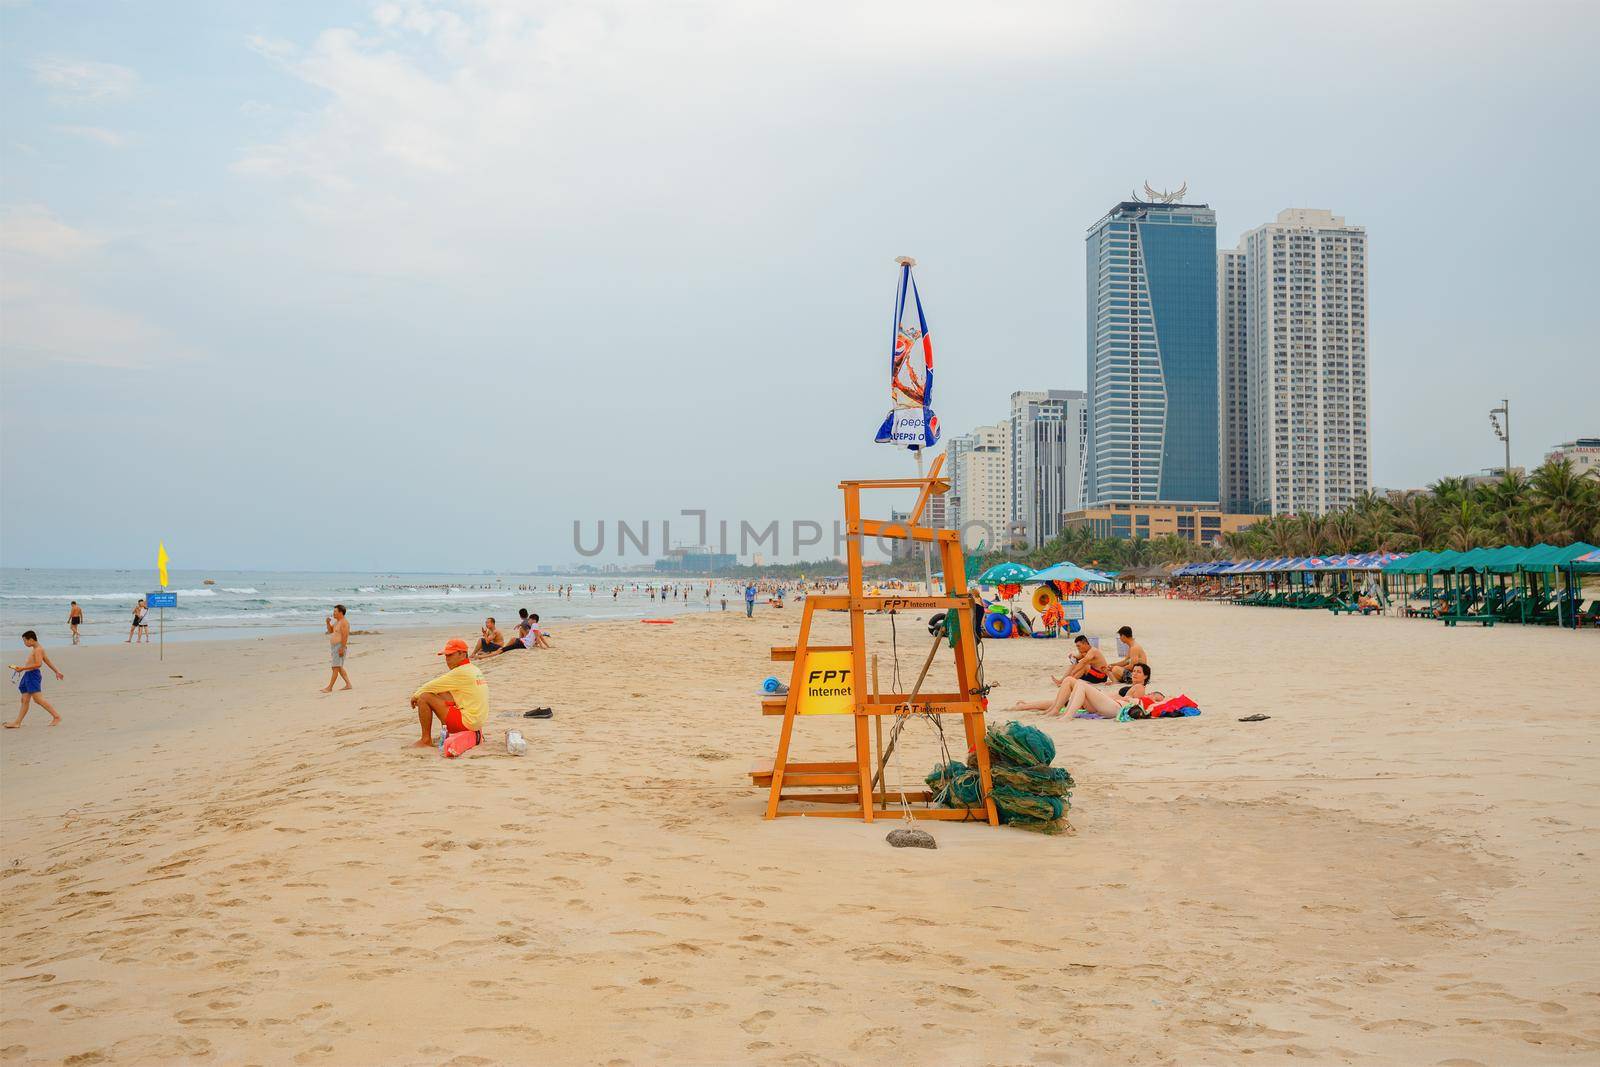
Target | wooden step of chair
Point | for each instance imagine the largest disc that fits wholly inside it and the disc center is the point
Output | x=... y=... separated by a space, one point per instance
x=808 y=774
x=785 y=653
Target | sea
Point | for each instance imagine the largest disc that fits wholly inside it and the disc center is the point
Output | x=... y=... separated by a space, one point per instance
x=222 y=605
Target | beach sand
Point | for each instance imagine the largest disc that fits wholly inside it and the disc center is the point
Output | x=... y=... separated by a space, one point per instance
x=209 y=861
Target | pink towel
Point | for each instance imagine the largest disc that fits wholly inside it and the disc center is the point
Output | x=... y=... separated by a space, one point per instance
x=460 y=742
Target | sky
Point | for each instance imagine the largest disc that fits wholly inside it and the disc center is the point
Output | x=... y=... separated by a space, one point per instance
x=339 y=285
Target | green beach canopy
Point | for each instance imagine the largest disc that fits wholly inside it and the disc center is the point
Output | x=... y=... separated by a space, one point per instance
x=1560 y=558
x=1507 y=559
x=1415 y=563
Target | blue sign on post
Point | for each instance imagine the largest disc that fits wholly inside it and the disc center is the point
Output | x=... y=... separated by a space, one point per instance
x=161 y=600
x=1071 y=610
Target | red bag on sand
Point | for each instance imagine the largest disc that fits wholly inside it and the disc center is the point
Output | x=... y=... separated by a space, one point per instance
x=1175 y=706
x=460 y=742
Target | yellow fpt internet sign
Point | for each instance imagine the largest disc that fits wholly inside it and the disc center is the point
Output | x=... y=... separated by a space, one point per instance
x=828 y=685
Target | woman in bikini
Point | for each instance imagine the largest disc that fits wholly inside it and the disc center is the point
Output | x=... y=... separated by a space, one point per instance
x=1076 y=695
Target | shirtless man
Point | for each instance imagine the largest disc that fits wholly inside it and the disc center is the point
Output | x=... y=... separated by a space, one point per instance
x=338 y=645
x=1089 y=664
x=492 y=640
x=32 y=680
x=74 y=619
x=1119 y=670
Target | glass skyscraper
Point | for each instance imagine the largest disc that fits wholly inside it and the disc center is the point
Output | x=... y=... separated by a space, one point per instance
x=1152 y=349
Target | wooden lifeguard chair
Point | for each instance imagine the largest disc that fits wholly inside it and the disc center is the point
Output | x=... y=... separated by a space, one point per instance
x=831 y=679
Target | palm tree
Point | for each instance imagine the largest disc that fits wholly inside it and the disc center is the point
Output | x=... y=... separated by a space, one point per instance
x=1462 y=529
x=1449 y=490
x=1571 y=501
x=1242 y=544
x=1280 y=535
x=1344 y=532
x=1416 y=522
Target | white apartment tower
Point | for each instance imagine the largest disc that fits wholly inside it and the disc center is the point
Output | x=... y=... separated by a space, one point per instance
x=1292 y=346
x=1233 y=415
x=1049 y=431
x=979 y=466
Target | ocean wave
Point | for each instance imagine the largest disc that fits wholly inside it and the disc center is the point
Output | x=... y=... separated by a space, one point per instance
x=245 y=591
x=464 y=595
x=130 y=597
x=64 y=597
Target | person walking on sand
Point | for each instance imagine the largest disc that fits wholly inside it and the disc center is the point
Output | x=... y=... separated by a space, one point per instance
x=138 y=627
x=74 y=620
x=458 y=698
x=338 y=645
x=32 y=681
x=750 y=600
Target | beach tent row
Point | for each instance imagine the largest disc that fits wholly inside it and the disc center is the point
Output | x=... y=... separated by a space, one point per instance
x=1507 y=559
x=1366 y=561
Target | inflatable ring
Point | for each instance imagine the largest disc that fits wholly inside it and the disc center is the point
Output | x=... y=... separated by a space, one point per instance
x=1043 y=597
x=996 y=625
x=1073 y=627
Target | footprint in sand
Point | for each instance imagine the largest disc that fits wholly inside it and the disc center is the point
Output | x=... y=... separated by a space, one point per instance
x=757 y=1023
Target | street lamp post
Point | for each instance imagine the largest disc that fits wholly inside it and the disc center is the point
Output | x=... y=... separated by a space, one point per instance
x=1503 y=430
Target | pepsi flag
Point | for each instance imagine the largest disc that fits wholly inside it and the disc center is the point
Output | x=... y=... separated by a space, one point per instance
x=911 y=422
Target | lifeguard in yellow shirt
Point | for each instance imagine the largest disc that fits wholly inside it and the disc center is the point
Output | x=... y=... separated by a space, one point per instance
x=458 y=698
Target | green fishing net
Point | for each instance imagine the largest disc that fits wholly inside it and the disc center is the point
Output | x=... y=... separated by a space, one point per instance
x=1019 y=745
x=1045 y=781
x=1028 y=793
x=1020 y=805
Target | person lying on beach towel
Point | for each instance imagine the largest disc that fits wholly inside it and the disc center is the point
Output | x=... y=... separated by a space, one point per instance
x=1089 y=664
x=1077 y=695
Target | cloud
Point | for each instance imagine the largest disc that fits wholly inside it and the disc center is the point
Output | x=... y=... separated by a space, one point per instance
x=84 y=80
x=44 y=312
x=98 y=134
x=504 y=124
x=33 y=230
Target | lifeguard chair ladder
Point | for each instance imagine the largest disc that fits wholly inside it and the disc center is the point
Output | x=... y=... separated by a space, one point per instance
x=856 y=777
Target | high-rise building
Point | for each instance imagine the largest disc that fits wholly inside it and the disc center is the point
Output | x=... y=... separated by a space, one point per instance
x=979 y=465
x=1152 y=354
x=1296 y=289
x=1048 y=429
x=1233 y=414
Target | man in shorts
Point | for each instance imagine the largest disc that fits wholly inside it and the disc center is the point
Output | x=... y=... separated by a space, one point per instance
x=1089 y=664
x=458 y=698
x=492 y=640
x=338 y=645
x=1121 y=669
x=32 y=681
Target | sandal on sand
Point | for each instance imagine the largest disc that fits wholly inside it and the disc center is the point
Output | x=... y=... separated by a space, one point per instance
x=538 y=713
x=1255 y=718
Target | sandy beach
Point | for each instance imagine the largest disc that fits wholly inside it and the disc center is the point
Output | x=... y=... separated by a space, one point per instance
x=210 y=861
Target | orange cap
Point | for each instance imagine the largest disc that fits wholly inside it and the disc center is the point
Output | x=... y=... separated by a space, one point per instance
x=455 y=644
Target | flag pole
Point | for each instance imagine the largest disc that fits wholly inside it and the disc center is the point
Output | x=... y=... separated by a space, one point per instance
x=927 y=559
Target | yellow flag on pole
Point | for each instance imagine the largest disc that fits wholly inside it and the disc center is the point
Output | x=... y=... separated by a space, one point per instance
x=161 y=562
